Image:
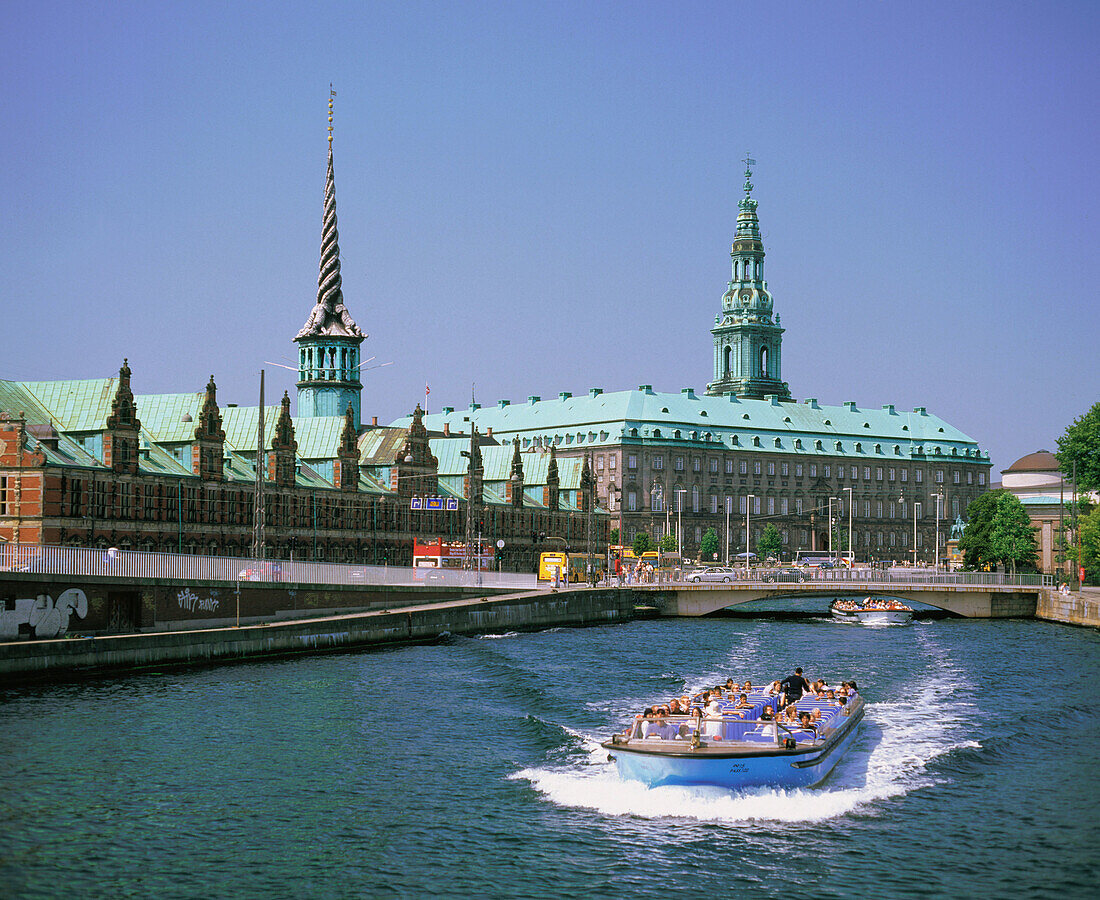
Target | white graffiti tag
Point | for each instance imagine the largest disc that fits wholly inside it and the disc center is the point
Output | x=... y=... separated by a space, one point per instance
x=42 y=615
x=192 y=602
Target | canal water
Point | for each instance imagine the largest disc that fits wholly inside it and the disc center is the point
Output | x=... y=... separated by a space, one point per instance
x=472 y=768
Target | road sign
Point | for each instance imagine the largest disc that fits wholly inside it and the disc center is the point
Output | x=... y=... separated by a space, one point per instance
x=450 y=504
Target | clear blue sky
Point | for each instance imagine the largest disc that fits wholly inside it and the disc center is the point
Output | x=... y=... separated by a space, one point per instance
x=536 y=197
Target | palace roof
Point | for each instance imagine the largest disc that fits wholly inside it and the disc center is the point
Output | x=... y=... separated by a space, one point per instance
x=599 y=420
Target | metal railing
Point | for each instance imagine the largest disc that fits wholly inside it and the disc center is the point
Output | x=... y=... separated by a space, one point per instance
x=866 y=578
x=137 y=564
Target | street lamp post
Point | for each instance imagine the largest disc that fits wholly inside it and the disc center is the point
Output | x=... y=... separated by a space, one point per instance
x=748 y=531
x=729 y=504
x=851 y=552
x=901 y=499
x=680 y=525
x=659 y=493
x=939 y=497
x=831 y=548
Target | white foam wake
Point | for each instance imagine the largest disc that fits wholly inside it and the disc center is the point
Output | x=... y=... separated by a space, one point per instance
x=890 y=758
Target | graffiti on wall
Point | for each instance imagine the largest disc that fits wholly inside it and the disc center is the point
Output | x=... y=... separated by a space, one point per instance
x=192 y=602
x=42 y=616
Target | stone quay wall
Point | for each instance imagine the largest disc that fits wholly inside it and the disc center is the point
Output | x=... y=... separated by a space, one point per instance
x=1074 y=608
x=69 y=657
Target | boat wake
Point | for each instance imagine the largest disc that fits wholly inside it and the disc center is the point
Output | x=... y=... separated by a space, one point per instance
x=894 y=755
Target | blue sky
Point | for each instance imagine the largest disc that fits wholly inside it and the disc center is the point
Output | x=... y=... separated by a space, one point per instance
x=537 y=197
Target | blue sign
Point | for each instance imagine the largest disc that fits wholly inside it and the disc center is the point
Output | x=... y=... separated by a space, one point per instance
x=434 y=503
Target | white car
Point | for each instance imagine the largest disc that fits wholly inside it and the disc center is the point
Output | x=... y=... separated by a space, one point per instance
x=714 y=573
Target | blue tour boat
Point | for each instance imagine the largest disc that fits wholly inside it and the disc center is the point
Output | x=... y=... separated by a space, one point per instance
x=735 y=748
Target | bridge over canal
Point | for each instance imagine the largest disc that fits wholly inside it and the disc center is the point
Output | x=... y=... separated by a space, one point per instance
x=972 y=595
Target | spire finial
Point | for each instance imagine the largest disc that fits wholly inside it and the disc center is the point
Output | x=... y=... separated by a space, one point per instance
x=331 y=98
x=749 y=163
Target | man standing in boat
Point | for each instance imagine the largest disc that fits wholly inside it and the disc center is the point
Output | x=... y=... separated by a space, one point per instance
x=793 y=686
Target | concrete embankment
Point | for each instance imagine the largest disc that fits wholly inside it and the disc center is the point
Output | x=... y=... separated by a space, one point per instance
x=1073 y=608
x=26 y=660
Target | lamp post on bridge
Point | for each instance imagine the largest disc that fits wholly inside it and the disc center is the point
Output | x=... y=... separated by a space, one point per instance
x=939 y=498
x=658 y=493
x=748 y=531
x=851 y=552
x=680 y=526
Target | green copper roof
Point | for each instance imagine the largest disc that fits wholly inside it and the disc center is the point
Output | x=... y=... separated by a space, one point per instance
x=600 y=419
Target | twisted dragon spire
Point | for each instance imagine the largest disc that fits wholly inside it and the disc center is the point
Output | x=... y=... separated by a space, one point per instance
x=329 y=315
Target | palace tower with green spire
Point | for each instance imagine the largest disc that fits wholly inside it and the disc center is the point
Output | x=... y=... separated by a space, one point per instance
x=747 y=342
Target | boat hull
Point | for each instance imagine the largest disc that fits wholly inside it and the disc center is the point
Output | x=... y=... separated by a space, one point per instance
x=737 y=769
x=874 y=616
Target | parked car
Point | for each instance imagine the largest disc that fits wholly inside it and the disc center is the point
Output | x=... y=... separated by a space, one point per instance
x=787 y=575
x=713 y=573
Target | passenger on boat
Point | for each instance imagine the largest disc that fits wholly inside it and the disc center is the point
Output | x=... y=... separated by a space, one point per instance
x=794 y=686
x=773 y=688
x=767 y=716
x=747 y=687
x=743 y=703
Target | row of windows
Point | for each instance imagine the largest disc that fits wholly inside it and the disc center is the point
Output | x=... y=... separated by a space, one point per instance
x=179 y=502
x=784 y=469
x=801 y=537
x=784 y=506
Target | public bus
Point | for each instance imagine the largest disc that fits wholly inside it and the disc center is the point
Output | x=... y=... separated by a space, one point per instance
x=441 y=554
x=571 y=565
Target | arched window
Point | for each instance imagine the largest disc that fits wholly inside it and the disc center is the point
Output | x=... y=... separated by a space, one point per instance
x=726 y=355
x=764 y=362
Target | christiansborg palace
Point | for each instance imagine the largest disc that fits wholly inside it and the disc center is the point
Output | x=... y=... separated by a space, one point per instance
x=91 y=463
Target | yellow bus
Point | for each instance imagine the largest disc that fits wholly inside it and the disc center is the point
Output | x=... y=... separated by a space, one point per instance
x=571 y=566
x=549 y=562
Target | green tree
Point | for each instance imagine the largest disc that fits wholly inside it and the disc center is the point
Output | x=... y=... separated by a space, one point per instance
x=668 y=543
x=1011 y=537
x=614 y=538
x=642 y=543
x=1081 y=445
x=1090 y=544
x=770 y=543
x=975 y=542
x=708 y=546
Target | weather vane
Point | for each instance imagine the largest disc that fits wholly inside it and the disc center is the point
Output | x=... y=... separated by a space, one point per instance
x=331 y=95
x=749 y=162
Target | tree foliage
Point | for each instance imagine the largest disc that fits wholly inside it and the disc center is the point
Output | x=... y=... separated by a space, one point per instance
x=1081 y=445
x=770 y=542
x=614 y=536
x=642 y=543
x=1090 y=544
x=668 y=543
x=998 y=532
x=1012 y=537
x=708 y=546
x=975 y=542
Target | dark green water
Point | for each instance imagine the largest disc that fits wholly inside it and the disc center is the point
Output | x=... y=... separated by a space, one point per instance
x=471 y=768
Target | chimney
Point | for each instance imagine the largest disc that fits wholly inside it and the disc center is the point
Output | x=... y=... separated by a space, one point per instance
x=446 y=429
x=374 y=420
